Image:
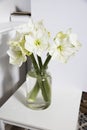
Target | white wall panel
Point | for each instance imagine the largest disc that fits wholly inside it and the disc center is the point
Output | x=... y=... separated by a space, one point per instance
x=60 y=15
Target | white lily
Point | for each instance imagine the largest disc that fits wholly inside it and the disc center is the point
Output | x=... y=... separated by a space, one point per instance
x=62 y=52
x=15 y=38
x=33 y=38
x=16 y=56
x=65 y=46
x=18 y=40
x=26 y=28
x=38 y=41
x=74 y=41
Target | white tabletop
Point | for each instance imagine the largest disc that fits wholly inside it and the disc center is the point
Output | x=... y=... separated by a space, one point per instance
x=61 y=115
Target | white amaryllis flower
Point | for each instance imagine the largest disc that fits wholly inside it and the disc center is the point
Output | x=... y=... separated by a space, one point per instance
x=15 y=38
x=17 y=57
x=73 y=38
x=26 y=28
x=33 y=38
x=66 y=44
x=38 y=40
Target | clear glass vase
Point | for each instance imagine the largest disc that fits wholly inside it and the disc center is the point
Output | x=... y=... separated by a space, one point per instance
x=38 y=92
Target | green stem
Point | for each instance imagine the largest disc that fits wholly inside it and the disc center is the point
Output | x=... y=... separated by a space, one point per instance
x=40 y=84
x=34 y=92
x=46 y=90
x=34 y=63
x=40 y=62
x=47 y=61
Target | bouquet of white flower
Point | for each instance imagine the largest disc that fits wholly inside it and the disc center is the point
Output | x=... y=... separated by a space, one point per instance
x=33 y=39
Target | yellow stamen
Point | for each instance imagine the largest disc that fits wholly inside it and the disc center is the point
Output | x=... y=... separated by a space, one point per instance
x=61 y=35
x=37 y=42
x=60 y=48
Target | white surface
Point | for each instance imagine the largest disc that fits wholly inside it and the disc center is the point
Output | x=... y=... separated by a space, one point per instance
x=61 y=115
x=60 y=15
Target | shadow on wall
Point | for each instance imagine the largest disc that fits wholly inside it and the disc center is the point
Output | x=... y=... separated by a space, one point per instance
x=6 y=81
x=10 y=78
